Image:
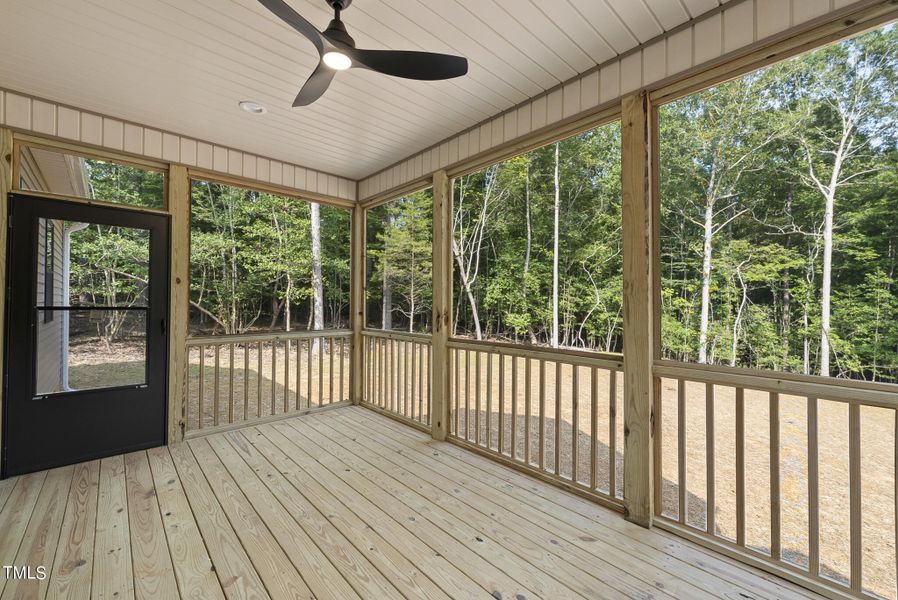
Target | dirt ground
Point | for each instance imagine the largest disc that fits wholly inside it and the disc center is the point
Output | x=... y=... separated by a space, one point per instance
x=248 y=389
x=877 y=459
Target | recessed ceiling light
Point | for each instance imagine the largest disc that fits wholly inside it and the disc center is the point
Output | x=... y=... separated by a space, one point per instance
x=337 y=60
x=253 y=108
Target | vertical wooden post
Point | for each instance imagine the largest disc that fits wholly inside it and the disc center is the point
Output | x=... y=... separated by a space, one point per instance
x=639 y=214
x=357 y=304
x=5 y=187
x=179 y=300
x=442 y=302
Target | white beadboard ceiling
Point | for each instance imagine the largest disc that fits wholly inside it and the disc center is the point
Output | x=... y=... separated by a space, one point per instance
x=183 y=65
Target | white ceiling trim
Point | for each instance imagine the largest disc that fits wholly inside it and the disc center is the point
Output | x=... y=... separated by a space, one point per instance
x=712 y=32
x=33 y=115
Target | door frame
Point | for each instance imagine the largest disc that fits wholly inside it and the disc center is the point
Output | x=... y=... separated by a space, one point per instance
x=160 y=299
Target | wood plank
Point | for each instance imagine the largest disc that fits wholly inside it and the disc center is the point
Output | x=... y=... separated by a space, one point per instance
x=178 y=190
x=284 y=476
x=454 y=581
x=316 y=570
x=559 y=547
x=112 y=575
x=71 y=573
x=153 y=572
x=15 y=516
x=352 y=565
x=637 y=212
x=683 y=558
x=491 y=579
x=521 y=529
x=235 y=571
x=442 y=308
x=192 y=564
x=41 y=537
x=274 y=567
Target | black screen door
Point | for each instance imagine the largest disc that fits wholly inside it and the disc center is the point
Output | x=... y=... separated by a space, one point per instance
x=86 y=341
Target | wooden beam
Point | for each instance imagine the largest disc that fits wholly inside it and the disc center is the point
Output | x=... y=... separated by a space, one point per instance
x=442 y=302
x=5 y=187
x=639 y=232
x=179 y=300
x=357 y=303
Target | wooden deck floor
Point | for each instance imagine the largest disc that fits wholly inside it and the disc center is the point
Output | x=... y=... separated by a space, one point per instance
x=343 y=504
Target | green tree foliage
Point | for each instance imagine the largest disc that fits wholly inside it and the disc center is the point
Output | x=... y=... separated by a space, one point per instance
x=251 y=261
x=798 y=263
x=503 y=240
x=400 y=263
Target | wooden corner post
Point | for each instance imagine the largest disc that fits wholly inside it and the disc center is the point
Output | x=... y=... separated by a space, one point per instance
x=5 y=187
x=442 y=303
x=179 y=300
x=357 y=303
x=639 y=216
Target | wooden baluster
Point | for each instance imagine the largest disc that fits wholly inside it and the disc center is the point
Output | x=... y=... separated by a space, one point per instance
x=527 y=410
x=274 y=377
x=477 y=399
x=775 y=512
x=500 y=438
x=683 y=508
x=612 y=433
x=854 y=487
x=245 y=380
x=710 y=470
x=231 y=382
x=456 y=392
x=201 y=400
x=575 y=421
x=429 y=383
x=286 y=375
x=259 y=380
x=215 y=385
x=330 y=371
x=298 y=374
x=557 y=418
x=813 y=490
x=542 y=415
x=467 y=435
x=342 y=360
x=414 y=378
x=740 y=467
x=593 y=426
x=514 y=406
x=320 y=343
x=489 y=401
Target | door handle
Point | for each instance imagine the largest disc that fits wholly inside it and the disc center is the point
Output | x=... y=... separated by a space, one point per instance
x=162 y=325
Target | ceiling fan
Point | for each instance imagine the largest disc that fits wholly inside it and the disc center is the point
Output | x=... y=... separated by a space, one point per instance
x=337 y=52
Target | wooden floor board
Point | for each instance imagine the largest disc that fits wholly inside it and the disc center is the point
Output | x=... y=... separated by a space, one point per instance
x=347 y=504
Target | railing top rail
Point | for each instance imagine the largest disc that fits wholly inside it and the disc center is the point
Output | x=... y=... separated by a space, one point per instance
x=566 y=355
x=421 y=338
x=211 y=340
x=807 y=386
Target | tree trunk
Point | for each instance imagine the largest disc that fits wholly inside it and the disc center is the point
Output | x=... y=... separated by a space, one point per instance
x=826 y=285
x=555 y=253
x=387 y=288
x=706 y=283
x=317 y=282
x=287 y=293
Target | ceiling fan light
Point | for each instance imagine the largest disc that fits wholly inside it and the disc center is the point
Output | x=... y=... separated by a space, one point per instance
x=337 y=60
x=253 y=108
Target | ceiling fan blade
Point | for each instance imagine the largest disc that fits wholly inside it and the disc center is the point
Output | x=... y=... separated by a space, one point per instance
x=315 y=86
x=426 y=66
x=292 y=18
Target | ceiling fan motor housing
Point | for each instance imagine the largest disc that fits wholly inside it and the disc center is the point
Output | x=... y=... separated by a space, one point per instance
x=339 y=4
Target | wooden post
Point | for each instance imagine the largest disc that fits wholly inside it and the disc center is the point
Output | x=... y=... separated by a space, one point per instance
x=5 y=188
x=639 y=214
x=442 y=302
x=357 y=304
x=179 y=300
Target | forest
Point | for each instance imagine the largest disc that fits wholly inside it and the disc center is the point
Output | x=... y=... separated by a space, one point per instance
x=779 y=229
x=263 y=262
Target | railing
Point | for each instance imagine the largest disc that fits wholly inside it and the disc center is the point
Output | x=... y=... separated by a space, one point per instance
x=239 y=378
x=555 y=413
x=397 y=374
x=793 y=471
